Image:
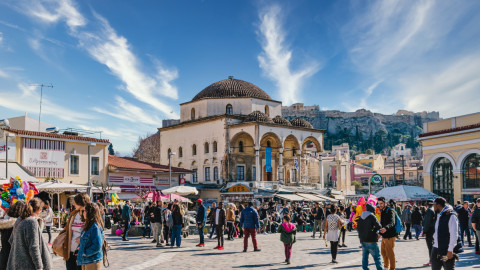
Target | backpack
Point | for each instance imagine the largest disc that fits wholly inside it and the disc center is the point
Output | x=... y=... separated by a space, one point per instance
x=398 y=223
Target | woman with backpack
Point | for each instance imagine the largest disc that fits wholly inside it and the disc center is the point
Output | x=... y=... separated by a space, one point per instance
x=90 y=249
x=288 y=235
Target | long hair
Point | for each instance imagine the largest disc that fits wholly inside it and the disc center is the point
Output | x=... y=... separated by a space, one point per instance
x=81 y=199
x=93 y=215
x=17 y=209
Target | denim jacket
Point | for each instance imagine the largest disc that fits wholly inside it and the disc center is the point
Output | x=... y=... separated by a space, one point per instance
x=91 y=243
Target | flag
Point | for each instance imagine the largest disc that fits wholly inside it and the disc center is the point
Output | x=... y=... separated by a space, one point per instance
x=296 y=162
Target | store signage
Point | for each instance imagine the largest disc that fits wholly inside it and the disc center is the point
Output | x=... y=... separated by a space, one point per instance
x=376 y=179
x=238 y=188
x=182 y=181
x=12 y=151
x=132 y=180
x=161 y=182
x=42 y=158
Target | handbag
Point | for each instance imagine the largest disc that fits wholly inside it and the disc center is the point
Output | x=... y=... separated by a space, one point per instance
x=57 y=245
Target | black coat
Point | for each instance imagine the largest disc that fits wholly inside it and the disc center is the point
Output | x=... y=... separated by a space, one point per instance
x=463 y=215
x=368 y=229
x=387 y=220
x=177 y=218
x=429 y=221
x=157 y=215
x=417 y=218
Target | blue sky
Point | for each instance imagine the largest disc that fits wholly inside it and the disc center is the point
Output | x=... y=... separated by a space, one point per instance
x=123 y=66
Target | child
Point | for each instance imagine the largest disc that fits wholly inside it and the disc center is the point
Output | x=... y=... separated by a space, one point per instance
x=288 y=233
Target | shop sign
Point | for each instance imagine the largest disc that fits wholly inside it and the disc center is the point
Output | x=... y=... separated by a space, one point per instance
x=238 y=188
x=43 y=158
x=376 y=179
x=161 y=182
x=132 y=180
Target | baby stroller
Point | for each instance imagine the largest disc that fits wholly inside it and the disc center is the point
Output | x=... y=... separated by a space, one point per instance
x=185 y=227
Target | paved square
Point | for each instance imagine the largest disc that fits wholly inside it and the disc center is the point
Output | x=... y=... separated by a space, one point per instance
x=308 y=253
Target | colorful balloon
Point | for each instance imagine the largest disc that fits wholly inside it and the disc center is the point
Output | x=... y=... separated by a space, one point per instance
x=5 y=204
x=118 y=232
x=5 y=196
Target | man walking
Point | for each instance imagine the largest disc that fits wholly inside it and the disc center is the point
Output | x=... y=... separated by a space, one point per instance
x=388 y=232
x=250 y=223
x=476 y=222
x=318 y=216
x=407 y=221
x=368 y=227
x=127 y=217
x=158 y=218
x=147 y=230
x=201 y=219
x=463 y=217
x=211 y=219
x=429 y=229
x=445 y=236
x=220 y=222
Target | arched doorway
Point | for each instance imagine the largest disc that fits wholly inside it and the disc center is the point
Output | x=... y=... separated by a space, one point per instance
x=442 y=175
x=471 y=171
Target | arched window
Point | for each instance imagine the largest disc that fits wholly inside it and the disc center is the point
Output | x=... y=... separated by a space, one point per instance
x=229 y=109
x=471 y=171
x=192 y=114
x=194 y=150
x=269 y=144
x=267 y=110
x=215 y=173
x=240 y=146
x=206 y=146
x=442 y=172
x=215 y=146
x=180 y=152
x=294 y=151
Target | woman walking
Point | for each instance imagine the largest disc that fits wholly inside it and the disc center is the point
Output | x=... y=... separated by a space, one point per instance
x=231 y=221
x=90 y=249
x=28 y=250
x=47 y=216
x=333 y=224
x=288 y=235
x=73 y=230
x=343 y=229
x=417 y=220
x=237 y=221
x=6 y=230
x=177 y=219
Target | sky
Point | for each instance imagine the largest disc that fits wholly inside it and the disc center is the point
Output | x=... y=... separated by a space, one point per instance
x=121 y=66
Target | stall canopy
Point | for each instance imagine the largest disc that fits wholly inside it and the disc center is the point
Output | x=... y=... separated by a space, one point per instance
x=181 y=190
x=311 y=197
x=164 y=198
x=406 y=193
x=291 y=197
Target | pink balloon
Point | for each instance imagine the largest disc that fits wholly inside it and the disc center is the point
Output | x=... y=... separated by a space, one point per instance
x=118 y=232
x=26 y=187
x=361 y=201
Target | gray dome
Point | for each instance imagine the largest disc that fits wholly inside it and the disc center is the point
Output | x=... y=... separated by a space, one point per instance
x=258 y=116
x=300 y=122
x=232 y=88
x=281 y=121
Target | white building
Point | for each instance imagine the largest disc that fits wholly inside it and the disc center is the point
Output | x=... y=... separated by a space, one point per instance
x=233 y=131
x=401 y=149
x=343 y=149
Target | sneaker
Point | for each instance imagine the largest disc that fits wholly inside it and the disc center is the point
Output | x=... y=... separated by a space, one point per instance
x=202 y=245
x=159 y=245
x=334 y=261
x=257 y=250
x=288 y=261
x=220 y=248
x=216 y=247
x=49 y=244
x=428 y=264
x=477 y=252
x=244 y=250
x=154 y=241
x=344 y=245
x=313 y=236
x=198 y=245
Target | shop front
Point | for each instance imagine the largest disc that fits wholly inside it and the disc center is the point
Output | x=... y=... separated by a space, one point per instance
x=237 y=194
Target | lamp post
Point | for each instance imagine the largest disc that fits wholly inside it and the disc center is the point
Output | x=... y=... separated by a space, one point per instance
x=403 y=170
x=4 y=124
x=170 y=154
x=89 y=183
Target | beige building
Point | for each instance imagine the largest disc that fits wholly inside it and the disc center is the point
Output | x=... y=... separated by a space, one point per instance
x=233 y=131
x=451 y=155
x=376 y=162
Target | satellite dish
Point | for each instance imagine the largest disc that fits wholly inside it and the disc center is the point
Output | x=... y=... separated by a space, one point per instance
x=4 y=123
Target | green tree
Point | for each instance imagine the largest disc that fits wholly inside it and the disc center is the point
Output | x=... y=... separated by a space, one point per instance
x=110 y=150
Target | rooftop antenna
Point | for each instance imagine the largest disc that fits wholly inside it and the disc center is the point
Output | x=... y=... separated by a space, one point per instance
x=41 y=97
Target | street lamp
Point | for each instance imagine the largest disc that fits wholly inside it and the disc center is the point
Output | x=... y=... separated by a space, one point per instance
x=170 y=154
x=89 y=183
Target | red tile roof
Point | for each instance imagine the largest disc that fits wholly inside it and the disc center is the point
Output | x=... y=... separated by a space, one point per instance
x=133 y=164
x=57 y=136
x=444 y=131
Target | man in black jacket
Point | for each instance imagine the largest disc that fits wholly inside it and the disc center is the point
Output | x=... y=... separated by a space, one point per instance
x=318 y=216
x=476 y=221
x=463 y=217
x=428 y=229
x=388 y=232
x=368 y=227
x=158 y=218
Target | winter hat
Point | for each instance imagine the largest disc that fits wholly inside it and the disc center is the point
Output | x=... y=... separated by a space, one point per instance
x=370 y=208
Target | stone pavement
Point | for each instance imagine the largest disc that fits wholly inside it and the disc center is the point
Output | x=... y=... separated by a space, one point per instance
x=308 y=253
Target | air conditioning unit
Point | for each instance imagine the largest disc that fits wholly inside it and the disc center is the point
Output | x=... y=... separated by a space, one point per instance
x=250 y=185
x=275 y=186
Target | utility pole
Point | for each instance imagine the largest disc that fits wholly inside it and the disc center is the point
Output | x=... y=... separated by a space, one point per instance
x=41 y=97
x=403 y=170
x=394 y=178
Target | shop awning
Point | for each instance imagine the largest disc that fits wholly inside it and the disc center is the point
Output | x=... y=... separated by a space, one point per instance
x=291 y=197
x=15 y=169
x=311 y=197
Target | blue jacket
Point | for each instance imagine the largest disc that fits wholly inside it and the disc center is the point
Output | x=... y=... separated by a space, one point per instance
x=90 y=248
x=249 y=218
x=127 y=212
x=201 y=214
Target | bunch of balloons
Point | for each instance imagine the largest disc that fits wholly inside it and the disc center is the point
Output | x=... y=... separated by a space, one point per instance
x=362 y=206
x=17 y=190
x=114 y=197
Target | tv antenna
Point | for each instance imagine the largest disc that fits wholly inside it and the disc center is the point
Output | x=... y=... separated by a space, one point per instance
x=41 y=97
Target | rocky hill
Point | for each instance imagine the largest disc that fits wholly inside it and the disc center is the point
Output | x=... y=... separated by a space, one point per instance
x=363 y=125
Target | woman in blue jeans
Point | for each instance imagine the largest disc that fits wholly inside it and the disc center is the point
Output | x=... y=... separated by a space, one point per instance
x=177 y=218
x=417 y=219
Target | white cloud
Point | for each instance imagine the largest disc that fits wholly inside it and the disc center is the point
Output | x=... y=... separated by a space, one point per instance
x=27 y=98
x=275 y=60
x=3 y=74
x=1 y=38
x=129 y=112
x=110 y=49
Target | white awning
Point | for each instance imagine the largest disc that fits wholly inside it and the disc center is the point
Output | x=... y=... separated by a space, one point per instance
x=291 y=197
x=311 y=197
x=58 y=187
x=14 y=169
